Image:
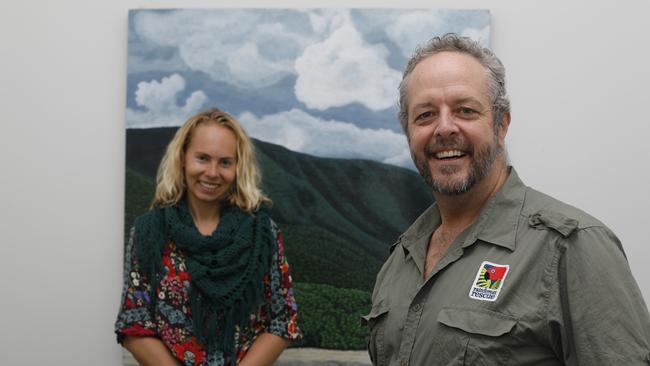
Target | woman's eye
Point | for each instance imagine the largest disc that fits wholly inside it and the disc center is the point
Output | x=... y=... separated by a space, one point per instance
x=202 y=158
x=226 y=162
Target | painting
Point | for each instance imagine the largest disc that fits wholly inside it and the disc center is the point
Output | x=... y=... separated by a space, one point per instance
x=317 y=91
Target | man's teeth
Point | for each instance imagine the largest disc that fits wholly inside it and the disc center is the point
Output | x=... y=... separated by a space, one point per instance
x=449 y=154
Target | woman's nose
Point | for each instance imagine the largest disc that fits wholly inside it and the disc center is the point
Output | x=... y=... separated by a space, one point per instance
x=212 y=171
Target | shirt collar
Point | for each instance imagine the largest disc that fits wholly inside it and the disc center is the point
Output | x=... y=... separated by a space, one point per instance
x=497 y=222
x=499 y=219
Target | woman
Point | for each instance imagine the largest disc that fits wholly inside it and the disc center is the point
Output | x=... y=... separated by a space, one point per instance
x=206 y=282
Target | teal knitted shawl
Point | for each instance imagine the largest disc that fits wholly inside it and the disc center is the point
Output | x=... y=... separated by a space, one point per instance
x=226 y=268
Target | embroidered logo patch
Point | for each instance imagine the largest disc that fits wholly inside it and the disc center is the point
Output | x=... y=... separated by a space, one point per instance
x=489 y=281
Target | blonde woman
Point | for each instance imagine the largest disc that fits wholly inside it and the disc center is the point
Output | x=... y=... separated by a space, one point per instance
x=206 y=282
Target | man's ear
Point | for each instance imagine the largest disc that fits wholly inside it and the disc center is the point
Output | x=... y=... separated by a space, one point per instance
x=503 y=130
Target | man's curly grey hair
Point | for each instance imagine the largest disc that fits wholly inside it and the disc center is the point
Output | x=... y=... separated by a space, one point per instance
x=496 y=73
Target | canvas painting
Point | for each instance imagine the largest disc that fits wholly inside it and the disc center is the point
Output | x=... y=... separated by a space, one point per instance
x=317 y=91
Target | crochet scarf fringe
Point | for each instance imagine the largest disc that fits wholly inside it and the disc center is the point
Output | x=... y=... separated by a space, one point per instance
x=226 y=268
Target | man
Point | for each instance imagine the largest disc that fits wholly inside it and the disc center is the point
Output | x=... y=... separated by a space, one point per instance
x=494 y=273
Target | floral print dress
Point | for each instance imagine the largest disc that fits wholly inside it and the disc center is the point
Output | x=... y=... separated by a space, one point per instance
x=171 y=320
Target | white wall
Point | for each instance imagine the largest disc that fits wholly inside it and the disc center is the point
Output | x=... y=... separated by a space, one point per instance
x=578 y=79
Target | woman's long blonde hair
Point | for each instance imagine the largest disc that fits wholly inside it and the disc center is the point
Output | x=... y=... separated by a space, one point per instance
x=170 y=180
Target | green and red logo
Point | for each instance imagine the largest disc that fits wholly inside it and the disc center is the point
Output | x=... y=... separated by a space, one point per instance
x=489 y=281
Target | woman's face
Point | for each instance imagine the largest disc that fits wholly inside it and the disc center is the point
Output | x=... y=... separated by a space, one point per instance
x=210 y=163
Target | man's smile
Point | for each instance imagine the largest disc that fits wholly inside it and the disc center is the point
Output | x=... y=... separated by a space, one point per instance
x=449 y=154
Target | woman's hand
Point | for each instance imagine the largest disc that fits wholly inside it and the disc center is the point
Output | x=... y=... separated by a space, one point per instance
x=265 y=350
x=150 y=351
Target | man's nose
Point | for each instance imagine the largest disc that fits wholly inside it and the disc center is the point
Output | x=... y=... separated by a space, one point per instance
x=446 y=125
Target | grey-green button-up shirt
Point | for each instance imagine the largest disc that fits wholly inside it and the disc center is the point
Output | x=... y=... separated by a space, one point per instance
x=532 y=282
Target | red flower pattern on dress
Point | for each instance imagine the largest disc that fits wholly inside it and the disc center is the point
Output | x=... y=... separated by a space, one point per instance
x=173 y=314
x=190 y=351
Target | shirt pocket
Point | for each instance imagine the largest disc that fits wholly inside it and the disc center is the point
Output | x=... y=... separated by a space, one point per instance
x=376 y=322
x=488 y=334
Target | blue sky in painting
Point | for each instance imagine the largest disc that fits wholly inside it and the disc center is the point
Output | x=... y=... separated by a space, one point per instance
x=319 y=81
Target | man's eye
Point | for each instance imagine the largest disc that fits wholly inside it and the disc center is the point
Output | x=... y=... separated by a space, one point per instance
x=466 y=111
x=424 y=116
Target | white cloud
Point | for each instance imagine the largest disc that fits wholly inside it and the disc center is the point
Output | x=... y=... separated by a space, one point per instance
x=326 y=20
x=325 y=49
x=482 y=36
x=239 y=47
x=344 y=69
x=158 y=98
x=300 y=131
x=412 y=28
x=409 y=29
x=247 y=57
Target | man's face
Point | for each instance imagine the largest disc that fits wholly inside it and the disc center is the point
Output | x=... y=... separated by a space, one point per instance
x=450 y=122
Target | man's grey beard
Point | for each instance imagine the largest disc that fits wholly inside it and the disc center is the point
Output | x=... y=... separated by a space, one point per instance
x=482 y=162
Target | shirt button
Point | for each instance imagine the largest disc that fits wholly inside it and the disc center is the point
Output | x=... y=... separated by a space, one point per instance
x=415 y=308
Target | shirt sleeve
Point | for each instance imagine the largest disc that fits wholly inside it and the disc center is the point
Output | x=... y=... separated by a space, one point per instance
x=597 y=313
x=134 y=317
x=283 y=310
